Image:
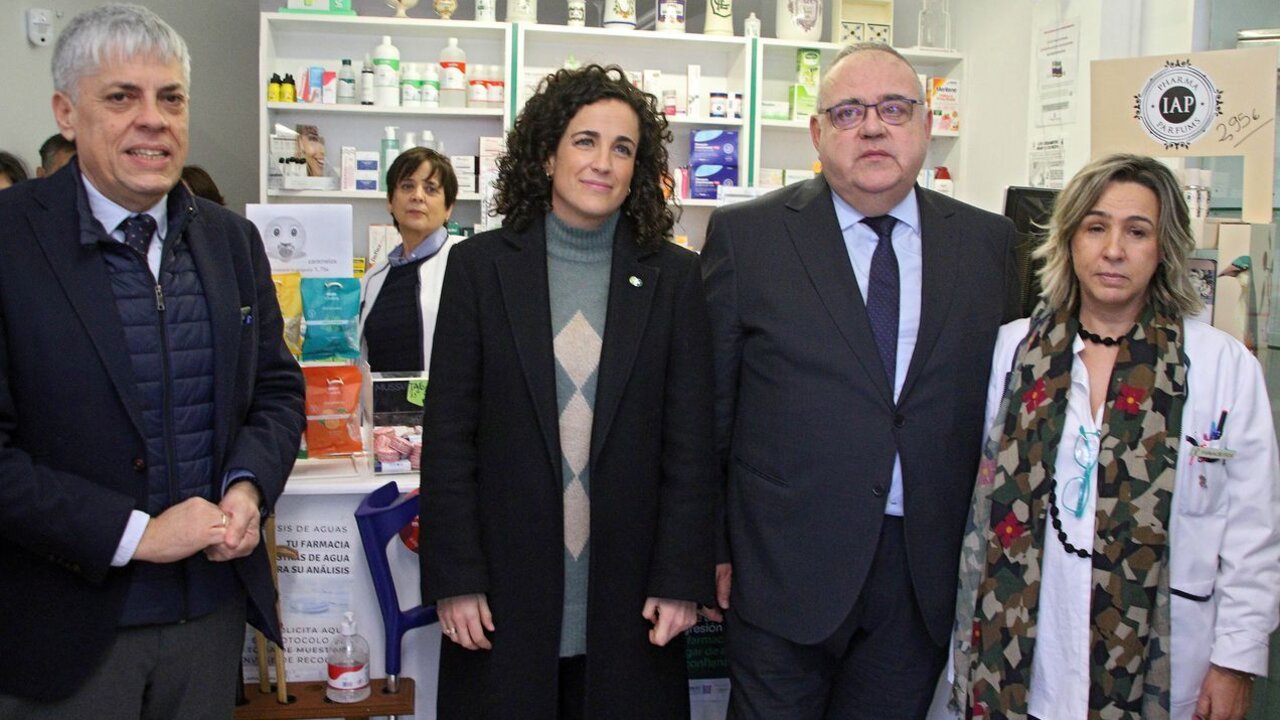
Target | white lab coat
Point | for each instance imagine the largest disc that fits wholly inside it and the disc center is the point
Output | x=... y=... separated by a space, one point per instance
x=430 y=280
x=1225 y=531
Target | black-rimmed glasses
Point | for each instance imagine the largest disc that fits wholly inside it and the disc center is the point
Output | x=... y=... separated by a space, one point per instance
x=850 y=113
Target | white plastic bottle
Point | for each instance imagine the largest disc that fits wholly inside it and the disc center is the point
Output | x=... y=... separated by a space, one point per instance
x=431 y=86
x=410 y=141
x=428 y=140
x=410 y=86
x=390 y=151
x=386 y=70
x=496 y=86
x=453 y=76
x=348 y=661
x=477 y=90
x=486 y=10
x=346 y=83
x=942 y=181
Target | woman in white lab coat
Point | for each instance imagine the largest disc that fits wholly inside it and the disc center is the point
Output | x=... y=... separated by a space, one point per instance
x=402 y=293
x=1122 y=558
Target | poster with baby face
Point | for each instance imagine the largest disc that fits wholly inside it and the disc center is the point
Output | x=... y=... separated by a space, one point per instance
x=313 y=239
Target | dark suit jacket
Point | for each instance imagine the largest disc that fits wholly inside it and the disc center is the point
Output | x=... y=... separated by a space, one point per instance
x=72 y=458
x=492 y=489
x=807 y=427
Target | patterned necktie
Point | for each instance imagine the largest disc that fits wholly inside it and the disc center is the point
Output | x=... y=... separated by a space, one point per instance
x=883 y=292
x=138 y=230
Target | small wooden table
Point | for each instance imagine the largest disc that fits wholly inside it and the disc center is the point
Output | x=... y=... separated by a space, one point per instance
x=310 y=702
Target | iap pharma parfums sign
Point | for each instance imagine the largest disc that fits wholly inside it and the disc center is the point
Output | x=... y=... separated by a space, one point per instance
x=1206 y=104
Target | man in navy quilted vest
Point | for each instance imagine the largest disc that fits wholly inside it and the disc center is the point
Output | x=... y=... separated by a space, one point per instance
x=149 y=411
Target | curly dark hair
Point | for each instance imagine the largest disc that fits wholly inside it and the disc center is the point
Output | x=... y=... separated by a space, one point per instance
x=523 y=190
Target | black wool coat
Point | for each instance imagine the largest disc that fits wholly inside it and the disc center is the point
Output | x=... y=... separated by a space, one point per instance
x=491 y=501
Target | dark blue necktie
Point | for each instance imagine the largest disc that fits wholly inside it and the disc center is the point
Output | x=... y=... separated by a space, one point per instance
x=883 y=293
x=138 y=230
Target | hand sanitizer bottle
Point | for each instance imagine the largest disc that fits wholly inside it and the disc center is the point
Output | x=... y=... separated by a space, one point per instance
x=348 y=661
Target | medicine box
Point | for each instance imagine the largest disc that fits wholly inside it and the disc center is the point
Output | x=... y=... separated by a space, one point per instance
x=808 y=67
x=769 y=178
x=775 y=110
x=465 y=167
x=944 y=105
x=704 y=179
x=367 y=170
x=803 y=101
x=713 y=147
x=790 y=177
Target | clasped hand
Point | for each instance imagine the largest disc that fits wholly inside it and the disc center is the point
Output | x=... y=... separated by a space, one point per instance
x=197 y=525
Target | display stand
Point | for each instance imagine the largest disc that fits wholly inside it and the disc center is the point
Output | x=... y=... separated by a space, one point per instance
x=310 y=702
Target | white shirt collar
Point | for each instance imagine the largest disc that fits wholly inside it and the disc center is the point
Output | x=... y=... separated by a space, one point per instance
x=111 y=214
x=906 y=212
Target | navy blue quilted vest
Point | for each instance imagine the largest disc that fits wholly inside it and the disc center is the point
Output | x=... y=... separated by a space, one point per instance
x=170 y=342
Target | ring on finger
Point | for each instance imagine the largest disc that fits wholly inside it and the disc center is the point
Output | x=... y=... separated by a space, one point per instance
x=450 y=631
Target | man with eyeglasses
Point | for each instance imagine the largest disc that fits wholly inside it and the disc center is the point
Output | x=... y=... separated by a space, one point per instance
x=854 y=318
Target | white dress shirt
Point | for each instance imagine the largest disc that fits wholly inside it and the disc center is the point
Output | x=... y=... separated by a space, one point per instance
x=860 y=242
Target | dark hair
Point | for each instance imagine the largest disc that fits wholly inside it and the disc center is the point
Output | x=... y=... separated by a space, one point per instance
x=12 y=167
x=410 y=161
x=523 y=189
x=201 y=184
x=50 y=149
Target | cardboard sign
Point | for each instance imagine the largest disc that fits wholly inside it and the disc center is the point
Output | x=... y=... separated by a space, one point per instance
x=1193 y=105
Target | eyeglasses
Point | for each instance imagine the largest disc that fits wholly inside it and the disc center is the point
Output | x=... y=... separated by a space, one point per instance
x=1075 y=494
x=848 y=114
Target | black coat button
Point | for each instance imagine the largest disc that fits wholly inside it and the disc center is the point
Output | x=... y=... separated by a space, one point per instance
x=877 y=490
x=899 y=420
x=139 y=465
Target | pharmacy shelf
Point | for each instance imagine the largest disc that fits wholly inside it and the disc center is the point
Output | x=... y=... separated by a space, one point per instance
x=290 y=43
x=382 y=110
x=786 y=124
x=932 y=57
x=623 y=40
x=349 y=195
x=723 y=122
x=464 y=30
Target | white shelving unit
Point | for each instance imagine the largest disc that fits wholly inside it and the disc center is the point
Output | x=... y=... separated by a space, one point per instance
x=288 y=43
x=757 y=68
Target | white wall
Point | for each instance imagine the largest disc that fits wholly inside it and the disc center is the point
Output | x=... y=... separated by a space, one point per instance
x=223 y=39
x=993 y=36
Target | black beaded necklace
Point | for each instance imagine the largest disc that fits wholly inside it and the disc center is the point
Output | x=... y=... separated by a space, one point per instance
x=1057 y=525
x=1096 y=338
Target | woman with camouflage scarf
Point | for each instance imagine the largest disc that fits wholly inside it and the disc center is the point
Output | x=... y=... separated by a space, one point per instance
x=1122 y=557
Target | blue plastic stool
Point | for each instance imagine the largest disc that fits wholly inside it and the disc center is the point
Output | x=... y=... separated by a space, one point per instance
x=380 y=516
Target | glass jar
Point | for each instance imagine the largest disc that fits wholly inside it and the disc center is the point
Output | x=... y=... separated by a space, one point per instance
x=935 y=25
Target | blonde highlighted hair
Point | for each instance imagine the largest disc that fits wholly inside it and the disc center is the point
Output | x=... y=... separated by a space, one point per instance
x=1171 y=290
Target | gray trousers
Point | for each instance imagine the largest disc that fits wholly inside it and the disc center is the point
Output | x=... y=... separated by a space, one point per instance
x=156 y=672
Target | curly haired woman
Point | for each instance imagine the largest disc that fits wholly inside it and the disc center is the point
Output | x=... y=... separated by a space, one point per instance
x=568 y=497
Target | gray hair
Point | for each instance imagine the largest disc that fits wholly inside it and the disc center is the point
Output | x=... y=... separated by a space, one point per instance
x=869 y=46
x=1171 y=289
x=114 y=31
